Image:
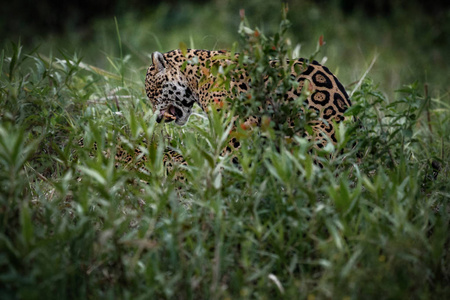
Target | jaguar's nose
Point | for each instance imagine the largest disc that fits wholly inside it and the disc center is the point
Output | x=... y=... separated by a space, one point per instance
x=178 y=113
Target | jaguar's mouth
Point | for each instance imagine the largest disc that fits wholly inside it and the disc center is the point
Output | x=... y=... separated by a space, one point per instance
x=169 y=114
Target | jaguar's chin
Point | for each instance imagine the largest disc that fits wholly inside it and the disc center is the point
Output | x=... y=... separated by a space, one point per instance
x=180 y=122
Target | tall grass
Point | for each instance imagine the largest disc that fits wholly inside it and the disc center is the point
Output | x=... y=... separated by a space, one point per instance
x=373 y=222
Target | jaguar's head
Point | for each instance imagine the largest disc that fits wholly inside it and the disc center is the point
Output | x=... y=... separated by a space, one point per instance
x=169 y=91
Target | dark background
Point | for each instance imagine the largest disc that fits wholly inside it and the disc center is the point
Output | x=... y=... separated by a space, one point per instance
x=28 y=18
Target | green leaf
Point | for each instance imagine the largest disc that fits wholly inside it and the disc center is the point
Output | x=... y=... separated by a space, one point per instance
x=2 y=58
x=183 y=48
x=94 y=174
x=217 y=183
x=26 y=223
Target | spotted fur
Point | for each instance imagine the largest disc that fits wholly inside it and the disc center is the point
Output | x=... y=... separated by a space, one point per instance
x=175 y=82
x=136 y=159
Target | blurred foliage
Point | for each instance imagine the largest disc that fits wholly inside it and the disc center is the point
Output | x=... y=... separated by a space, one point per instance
x=410 y=37
x=373 y=222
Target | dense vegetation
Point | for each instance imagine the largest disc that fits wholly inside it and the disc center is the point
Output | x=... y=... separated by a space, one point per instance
x=372 y=222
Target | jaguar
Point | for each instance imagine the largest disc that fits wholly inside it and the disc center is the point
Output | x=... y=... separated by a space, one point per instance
x=177 y=80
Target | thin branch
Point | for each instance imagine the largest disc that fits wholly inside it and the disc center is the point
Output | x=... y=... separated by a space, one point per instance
x=104 y=99
x=364 y=75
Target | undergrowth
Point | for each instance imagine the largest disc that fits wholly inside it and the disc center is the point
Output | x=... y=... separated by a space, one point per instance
x=372 y=222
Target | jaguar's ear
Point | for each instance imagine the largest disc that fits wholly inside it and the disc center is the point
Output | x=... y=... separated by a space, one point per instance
x=158 y=61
